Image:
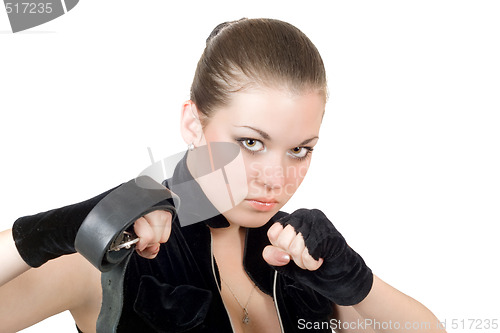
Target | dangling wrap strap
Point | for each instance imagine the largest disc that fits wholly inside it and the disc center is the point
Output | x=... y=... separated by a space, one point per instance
x=104 y=227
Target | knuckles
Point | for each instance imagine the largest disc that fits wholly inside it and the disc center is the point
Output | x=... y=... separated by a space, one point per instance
x=152 y=229
x=292 y=242
x=159 y=217
x=274 y=231
x=297 y=247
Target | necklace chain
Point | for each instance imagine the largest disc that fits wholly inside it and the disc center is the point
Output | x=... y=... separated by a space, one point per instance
x=246 y=317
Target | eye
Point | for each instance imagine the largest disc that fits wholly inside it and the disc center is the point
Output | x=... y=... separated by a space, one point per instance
x=300 y=152
x=252 y=145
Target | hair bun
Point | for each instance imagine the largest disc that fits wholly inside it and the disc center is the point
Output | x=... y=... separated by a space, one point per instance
x=220 y=27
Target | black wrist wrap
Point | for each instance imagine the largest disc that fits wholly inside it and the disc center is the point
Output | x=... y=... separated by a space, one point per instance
x=51 y=234
x=45 y=236
x=344 y=278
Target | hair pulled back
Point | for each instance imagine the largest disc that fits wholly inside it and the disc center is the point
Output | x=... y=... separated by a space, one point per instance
x=255 y=53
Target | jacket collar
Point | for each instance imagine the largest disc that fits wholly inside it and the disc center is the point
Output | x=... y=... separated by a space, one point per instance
x=194 y=204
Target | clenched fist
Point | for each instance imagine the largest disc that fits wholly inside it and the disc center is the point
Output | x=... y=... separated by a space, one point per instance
x=322 y=259
x=288 y=244
x=153 y=229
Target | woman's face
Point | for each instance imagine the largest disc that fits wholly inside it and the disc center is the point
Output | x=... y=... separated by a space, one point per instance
x=276 y=132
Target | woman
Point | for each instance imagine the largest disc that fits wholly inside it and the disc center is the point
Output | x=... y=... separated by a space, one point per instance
x=260 y=84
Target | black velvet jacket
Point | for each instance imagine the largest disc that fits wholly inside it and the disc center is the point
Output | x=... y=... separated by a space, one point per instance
x=178 y=291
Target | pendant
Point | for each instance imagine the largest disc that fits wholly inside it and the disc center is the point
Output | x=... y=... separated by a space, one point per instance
x=246 y=318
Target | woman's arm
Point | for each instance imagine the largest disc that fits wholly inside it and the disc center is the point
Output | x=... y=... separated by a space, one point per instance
x=11 y=262
x=70 y=282
x=386 y=309
x=324 y=262
x=32 y=295
x=66 y=283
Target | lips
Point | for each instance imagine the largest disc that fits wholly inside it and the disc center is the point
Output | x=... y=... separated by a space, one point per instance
x=262 y=204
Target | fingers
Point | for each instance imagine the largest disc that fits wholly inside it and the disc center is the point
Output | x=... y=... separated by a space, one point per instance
x=152 y=229
x=150 y=252
x=274 y=231
x=309 y=262
x=275 y=256
x=297 y=249
x=285 y=240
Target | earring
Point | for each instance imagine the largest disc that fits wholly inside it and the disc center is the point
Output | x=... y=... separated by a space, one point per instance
x=191 y=146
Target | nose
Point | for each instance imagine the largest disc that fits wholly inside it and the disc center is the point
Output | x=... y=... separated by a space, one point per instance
x=272 y=173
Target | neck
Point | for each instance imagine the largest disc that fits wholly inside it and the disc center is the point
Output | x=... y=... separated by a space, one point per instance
x=228 y=233
x=229 y=243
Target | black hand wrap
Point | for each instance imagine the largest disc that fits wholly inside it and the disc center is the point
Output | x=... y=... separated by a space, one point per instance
x=45 y=236
x=343 y=277
x=51 y=234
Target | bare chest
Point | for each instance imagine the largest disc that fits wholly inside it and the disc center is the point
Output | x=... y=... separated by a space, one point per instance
x=249 y=309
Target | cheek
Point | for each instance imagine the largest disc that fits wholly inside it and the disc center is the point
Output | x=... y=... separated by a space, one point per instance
x=293 y=178
x=253 y=169
x=216 y=131
x=211 y=136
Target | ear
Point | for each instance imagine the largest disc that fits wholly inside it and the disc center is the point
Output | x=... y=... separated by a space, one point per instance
x=191 y=129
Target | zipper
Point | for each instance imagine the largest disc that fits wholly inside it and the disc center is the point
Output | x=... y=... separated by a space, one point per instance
x=274 y=300
x=217 y=283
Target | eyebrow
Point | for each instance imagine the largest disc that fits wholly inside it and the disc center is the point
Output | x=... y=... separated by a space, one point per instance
x=305 y=142
x=266 y=136
x=263 y=134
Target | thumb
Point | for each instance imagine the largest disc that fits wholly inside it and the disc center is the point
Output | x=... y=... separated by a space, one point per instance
x=275 y=256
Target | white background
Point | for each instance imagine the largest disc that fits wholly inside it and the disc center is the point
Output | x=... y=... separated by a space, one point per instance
x=408 y=162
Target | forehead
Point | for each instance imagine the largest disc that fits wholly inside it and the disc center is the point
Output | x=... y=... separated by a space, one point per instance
x=277 y=112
